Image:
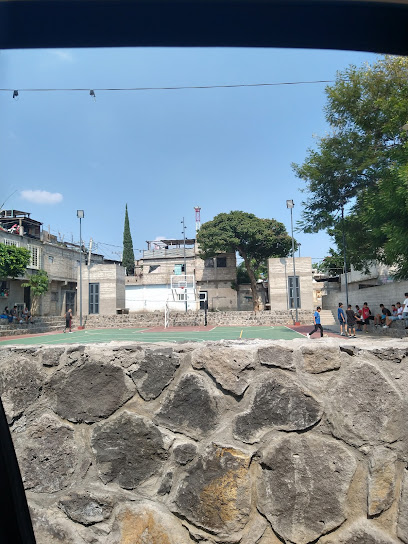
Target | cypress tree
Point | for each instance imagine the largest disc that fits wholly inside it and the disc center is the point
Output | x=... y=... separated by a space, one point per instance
x=128 y=259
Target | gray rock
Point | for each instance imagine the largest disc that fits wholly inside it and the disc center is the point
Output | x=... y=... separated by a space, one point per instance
x=364 y=406
x=165 y=486
x=303 y=487
x=128 y=354
x=276 y=403
x=360 y=532
x=381 y=482
x=191 y=407
x=277 y=356
x=317 y=360
x=215 y=494
x=389 y=354
x=51 y=356
x=47 y=455
x=231 y=367
x=89 y=392
x=402 y=530
x=86 y=508
x=154 y=372
x=51 y=528
x=184 y=453
x=128 y=449
x=21 y=380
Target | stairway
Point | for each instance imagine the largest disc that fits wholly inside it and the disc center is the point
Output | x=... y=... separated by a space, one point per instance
x=327 y=318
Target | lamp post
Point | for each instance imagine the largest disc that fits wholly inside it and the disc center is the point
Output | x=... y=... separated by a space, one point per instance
x=80 y=215
x=344 y=251
x=290 y=205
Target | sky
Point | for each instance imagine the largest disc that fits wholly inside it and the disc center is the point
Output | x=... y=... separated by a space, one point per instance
x=161 y=152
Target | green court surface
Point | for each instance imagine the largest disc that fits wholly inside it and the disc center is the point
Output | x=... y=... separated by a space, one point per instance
x=144 y=335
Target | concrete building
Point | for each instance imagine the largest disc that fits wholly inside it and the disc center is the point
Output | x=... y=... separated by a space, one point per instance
x=166 y=260
x=103 y=289
x=281 y=283
x=59 y=259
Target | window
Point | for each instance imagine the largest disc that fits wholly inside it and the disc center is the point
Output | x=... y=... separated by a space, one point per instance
x=221 y=262
x=209 y=263
x=154 y=268
x=291 y=293
x=94 y=298
x=178 y=269
x=54 y=296
x=35 y=257
x=11 y=242
x=181 y=296
x=50 y=258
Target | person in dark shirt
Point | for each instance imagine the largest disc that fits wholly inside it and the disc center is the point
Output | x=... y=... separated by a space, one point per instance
x=380 y=318
x=351 y=322
x=68 y=320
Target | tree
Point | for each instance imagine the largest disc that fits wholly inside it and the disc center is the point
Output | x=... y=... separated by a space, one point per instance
x=128 y=259
x=13 y=261
x=332 y=265
x=253 y=238
x=38 y=284
x=360 y=165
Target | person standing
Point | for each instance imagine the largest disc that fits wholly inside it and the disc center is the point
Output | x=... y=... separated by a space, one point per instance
x=351 y=322
x=68 y=320
x=366 y=315
x=317 y=324
x=341 y=316
x=405 y=309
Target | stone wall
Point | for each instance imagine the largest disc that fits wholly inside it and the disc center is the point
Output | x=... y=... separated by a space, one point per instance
x=234 y=442
x=180 y=319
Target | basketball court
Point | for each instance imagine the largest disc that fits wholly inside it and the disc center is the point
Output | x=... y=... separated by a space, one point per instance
x=170 y=334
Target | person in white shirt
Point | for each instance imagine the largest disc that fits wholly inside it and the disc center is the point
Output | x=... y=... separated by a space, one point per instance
x=405 y=308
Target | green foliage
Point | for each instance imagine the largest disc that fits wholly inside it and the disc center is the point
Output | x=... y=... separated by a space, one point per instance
x=38 y=284
x=13 y=261
x=254 y=239
x=332 y=265
x=362 y=164
x=128 y=258
x=261 y=272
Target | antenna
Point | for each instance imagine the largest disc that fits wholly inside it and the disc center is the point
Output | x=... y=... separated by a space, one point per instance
x=197 y=218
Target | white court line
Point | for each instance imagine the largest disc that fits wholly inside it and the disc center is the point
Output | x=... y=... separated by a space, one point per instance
x=301 y=333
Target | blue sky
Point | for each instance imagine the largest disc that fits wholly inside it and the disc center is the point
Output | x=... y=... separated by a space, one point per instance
x=161 y=152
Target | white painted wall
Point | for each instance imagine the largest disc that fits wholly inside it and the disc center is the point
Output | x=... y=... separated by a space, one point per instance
x=151 y=298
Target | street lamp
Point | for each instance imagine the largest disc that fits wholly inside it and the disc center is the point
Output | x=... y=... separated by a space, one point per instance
x=80 y=215
x=290 y=205
x=342 y=202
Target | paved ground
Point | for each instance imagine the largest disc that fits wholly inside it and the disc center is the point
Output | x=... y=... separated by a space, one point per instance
x=176 y=334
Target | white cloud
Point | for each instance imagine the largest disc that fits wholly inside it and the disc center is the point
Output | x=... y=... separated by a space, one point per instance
x=42 y=197
x=61 y=54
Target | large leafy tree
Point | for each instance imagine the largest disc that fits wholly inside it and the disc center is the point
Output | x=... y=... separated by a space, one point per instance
x=13 y=261
x=128 y=258
x=254 y=239
x=39 y=284
x=360 y=165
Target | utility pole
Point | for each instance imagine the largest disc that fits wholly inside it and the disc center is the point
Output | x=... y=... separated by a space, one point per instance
x=80 y=215
x=290 y=204
x=185 y=264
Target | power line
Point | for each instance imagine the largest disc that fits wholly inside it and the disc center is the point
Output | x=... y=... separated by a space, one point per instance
x=176 y=88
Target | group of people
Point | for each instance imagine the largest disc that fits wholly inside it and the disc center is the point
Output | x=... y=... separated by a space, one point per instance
x=351 y=319
x=14 y=315
x=360 y=317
